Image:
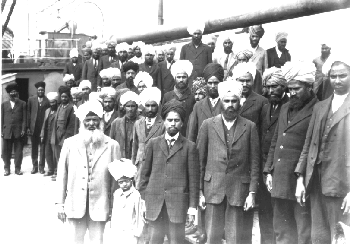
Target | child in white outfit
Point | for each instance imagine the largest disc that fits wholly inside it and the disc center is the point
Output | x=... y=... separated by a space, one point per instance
x=127 y=220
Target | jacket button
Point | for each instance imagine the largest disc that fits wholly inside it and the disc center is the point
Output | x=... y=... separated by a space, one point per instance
x=284 y=134
x=224 y=158
x=82 y=189
x=279 y=160
x=281 y=147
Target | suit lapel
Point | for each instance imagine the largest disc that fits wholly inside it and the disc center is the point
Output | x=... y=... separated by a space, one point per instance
x=36 y=104
x=15 y=106
x=155 y=127
x=176 y=147
x=248 y=103
x=240 y=129
x=163 y=145
x=218 y=126
x=199 y=50
x=206 y=109
x=342 y=111
x=99 y=151
x=304 y=113
x=122 y=128
x=142 y=127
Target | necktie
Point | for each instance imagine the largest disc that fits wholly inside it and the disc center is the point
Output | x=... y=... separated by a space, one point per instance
x=226 y=61
x=170 y=65
x=171 y=143
x=148 y=123
x=95 y=65
x=110 y=59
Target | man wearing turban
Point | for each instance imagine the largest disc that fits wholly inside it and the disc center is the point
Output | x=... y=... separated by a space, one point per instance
x=91 y=69
x=64 y=122
x=106 y=61
x=138 y=51
x=226 y=57
x=291 y=222
x=279 y=55
x=149 y=65
x=199 y=89
x=256 y=32
x=276 y=86
x=84 y=202
x=143 y=80
x=160 y=54
x=13 y=129
x=69 y=80
x=198 y=53
x=181 y=71
x=85 y=88
x=108 y=96
x=229 y=157
x=36 y=108
x=122 y=128
x=146 y=128
x=322 y=86
x=130 y=69
x=73 y=67
x=323 y=168
x=170 y=178
x=166 y=81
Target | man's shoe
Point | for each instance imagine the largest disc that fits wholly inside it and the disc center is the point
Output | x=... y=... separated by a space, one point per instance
x=34 y=170
x=202 y=239
x=7 y=172
x=48 y=174
x=197 y=233
x=41 y=171
x=18 y=172
x=190 y=230
x=53 y=179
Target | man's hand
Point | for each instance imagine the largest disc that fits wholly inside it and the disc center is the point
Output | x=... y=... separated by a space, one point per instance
x=28 y=132
x=98 y=89
x=42 y=140
x=60 y=212
x=249 y=202
x=190 y=219
x=346 y=204
x=202 y=204
x=22 y=133
x=300 y=191
x=268 y=182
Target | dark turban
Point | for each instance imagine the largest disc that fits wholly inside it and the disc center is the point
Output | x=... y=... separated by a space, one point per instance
x=11 y=87
x=199 y=84
x=40 y=84
x=176 y=106
x=257 y=30
x=64 y=89
x=130 y=65
x=213 y=69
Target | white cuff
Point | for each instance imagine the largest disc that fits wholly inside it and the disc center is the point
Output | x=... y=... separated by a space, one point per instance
x=192 y=211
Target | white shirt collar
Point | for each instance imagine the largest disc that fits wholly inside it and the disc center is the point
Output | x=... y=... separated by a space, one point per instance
x=337 y=101
x=253 y=49
x=279 y=53
x=152 y=120
x=228 y=124
x=213 y=101
x=168 y=137
x=168 y=64
x=12 y=104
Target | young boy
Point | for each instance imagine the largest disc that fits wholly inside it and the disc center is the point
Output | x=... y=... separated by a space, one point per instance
x=127 y=213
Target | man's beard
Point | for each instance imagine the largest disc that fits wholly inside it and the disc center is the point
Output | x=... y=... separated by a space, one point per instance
x=108 y=108
x=273 y=99
x=181 y=85
x=297 y=103
x=213 y=93
x=96 y=137
x=253 y=43
x=138 y=55
x=227 y=50
x=230 y=113
x=151 y=114
x=149 y=61
x=14 y=98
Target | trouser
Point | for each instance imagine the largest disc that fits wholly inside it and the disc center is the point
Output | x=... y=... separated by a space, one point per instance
x=163 y=226
x=291 y=222
x=326 y=212
x=201 y=221
x=79 y=227
x=17 y=143
x=248 y=218
x=56 y=154
x=49 y=155
x=267 y=235
x=223 y=219
x=36 y=142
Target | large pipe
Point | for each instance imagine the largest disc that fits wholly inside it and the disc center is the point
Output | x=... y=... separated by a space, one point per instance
x=160 y=13
x=290 y=10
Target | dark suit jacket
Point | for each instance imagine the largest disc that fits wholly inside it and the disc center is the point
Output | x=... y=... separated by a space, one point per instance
x=274 y=61
x=201 y=111
x=188 y=102
x=44 y=130
x=286 y=146
x=170 y=177
x=104 y=62
x=166 y=81
x=32 y=111
x=335 y=175
x=76 y=70
x=107 y=125
x=59 y=135
x=232 y=178
x=199 y=57
x=92 y=74
x=118 y=133
x=253 y=110
x=13 y=121
x=153 y=71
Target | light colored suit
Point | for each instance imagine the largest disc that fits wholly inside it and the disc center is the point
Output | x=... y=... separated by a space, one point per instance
x=260 y=59
x=75 y=184
x=220 y=59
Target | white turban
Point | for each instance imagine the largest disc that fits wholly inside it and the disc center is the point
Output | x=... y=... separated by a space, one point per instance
x=230 y=87
x=115 y=72
x=129 y=96
x=95 y=96
x=111 y=42
x=90 y=106
x=226 y=36
x=68 y=77
x=145 y=77
x=73 y=53
x=160 y=49
x=139 y=44
x=122 y=168
x=181 y=66
x=122 y=47
x=195 y=26
x=169 y=47
x=84 y=84
x=104 y=73
x=343 y=57
x=281 y=35
x=301 y=71
x=148 y=49
x=107 y=92
x=75 y=91
x=150 y=94
x=52 y=96
x=244 y=68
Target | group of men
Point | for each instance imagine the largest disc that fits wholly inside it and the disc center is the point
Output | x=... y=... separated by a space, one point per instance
x=209 y=145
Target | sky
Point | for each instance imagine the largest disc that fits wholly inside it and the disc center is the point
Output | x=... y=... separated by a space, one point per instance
x=106 y=18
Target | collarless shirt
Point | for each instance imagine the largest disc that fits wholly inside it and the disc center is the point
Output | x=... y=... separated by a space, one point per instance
x=228 y=124
x=12 y=104
x=337 y=101
x=279 y=53
x=213 y=101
